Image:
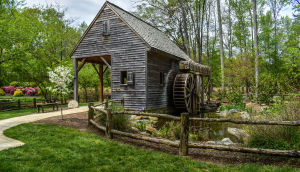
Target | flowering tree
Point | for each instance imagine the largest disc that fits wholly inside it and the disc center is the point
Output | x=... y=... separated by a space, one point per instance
x=60 y=77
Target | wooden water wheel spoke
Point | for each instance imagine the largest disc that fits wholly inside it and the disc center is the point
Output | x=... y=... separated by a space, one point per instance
x=186 y=84
x=187 y=95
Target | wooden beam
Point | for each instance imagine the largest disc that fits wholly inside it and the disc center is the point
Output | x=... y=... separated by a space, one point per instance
x=105 y=70
x=75 y=65
x=105 y=62
x=81 y=64
x=101 y=82
x=96 y=69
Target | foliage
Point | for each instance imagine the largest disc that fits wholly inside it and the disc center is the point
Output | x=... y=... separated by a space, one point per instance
x=266 y=89
x=2 y=93
x=15 y=84
x=121 y=121
x=235 y=95
x=38 y=92
x=141 y=125
x=170 y=130
x=240 y=106
x=18 y=93
x=61 y=77
x=277 y=137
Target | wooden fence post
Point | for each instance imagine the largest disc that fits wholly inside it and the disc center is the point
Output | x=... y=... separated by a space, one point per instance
x=91 y=113
x=19 y=104
x=109 y=124
x=106 y=103
x=122 y=102
x=34 y=102
x=184 y=135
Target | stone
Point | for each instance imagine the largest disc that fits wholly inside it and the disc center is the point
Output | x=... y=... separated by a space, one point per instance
x=231 y=111
x=245 y=115
x=135 y=129
x=226 y=141
x=211 y=142
x=73 y=104
x=239 y=134
x=150 y=129
x=141 y=117
x=224 y=113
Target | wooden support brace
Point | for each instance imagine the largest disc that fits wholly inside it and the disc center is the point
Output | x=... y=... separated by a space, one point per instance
x=105 y=62
x=81 y=64
x=96 y=69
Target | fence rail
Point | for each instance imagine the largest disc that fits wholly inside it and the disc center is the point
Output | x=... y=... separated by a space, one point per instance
x=183 y=145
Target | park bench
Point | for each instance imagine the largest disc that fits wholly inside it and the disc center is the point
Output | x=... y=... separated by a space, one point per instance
x=45 y=105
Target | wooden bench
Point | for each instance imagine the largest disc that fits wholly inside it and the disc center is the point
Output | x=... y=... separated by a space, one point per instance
x=45 y=105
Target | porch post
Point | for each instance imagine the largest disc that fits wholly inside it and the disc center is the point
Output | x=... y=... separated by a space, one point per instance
x=75 y=65
x=101 y=82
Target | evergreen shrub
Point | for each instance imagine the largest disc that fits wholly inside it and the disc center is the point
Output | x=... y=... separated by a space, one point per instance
x=2 y=93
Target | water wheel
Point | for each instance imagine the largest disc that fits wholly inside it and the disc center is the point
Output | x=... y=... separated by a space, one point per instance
x=183 y=92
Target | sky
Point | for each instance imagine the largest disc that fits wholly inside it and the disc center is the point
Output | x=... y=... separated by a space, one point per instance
x=86 y=10
x=83 y=10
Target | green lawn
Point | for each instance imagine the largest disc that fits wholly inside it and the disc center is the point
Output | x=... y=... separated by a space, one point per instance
x=55 y=148
x=22 y=112
x=22 y=99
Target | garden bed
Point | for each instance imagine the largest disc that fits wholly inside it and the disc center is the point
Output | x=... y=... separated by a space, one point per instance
x=79 y=121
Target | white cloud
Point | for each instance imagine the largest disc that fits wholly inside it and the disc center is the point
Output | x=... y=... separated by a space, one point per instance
x=83 y=10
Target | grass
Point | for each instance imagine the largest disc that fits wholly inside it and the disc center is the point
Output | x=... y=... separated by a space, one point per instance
x=56 y=148
x=240 y=106
x=22 y=99
x=22 y=112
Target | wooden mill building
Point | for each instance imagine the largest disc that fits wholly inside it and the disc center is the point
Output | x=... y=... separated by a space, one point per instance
x=143 y=61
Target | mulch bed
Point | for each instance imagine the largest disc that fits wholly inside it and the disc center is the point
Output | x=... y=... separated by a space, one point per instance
x=79 y=121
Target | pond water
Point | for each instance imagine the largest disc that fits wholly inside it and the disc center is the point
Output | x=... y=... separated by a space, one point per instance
x=213 y=131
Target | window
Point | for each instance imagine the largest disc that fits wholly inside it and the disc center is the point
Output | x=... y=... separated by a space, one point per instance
x=161 y=79
x=129 y=78
x=106 y=28
x=124 y=77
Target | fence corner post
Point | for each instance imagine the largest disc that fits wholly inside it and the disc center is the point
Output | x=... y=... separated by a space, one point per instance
x=34 y=102
x=91 y=113
x=122 y=102
x=109 y=124
x=184 y=135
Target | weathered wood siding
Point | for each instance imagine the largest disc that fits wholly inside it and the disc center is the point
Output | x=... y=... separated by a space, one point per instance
x=161 y=96
x=127 y=52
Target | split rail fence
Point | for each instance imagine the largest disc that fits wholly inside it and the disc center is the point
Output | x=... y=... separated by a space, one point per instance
x=183 y=145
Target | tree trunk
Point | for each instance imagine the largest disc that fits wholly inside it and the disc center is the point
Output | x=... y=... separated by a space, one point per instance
x=207 y=33
x=200 y=46
x=185 y=30
x=221 y=43
x=255 y=45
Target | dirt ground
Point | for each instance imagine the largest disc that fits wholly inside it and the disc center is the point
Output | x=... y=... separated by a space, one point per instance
x=79 y=121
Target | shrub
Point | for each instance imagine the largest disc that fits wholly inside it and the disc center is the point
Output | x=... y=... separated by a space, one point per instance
x=13 y=90
x=7 y=89
x=235 y=95
x=38 y=92
x=2 y=93
x=277 y=137
x=121 y=121
x=170 y=130
x=141 y=125
x=31 y=91
x=15 y=84
x=18 y=93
